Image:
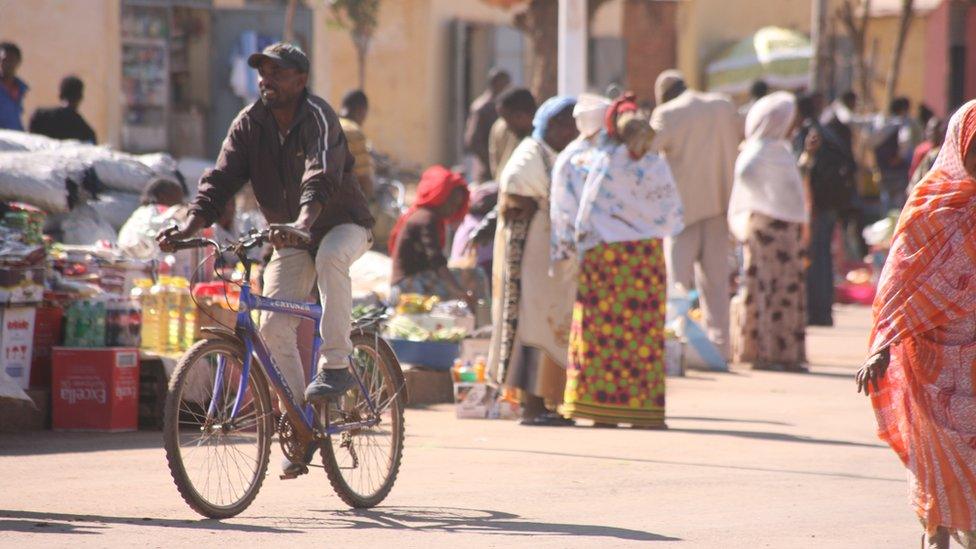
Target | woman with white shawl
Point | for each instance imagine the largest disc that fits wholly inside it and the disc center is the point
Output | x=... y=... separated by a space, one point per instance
x=768 y=214
x=628 y=204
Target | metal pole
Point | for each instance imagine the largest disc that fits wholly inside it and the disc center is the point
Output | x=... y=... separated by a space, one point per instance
x=572 y=56
x=818 y=25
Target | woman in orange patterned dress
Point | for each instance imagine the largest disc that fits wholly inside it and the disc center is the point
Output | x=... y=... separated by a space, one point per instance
x=922 y=372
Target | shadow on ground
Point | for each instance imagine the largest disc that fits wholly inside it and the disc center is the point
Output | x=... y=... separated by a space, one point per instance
x=413 y=519
x=476 y=521
x=54 y=442
x=37 y=522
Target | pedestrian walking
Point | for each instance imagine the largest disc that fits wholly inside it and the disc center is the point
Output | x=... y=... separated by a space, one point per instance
x=12 y=89
x=840 y=121
x=629 y=204
x=480 y=119
x=516 y=109
x=534 y=309
x=699 y=134
x=893 y=145
x=355 y=109
x=64 y=122
x=827 y=166
x=923 y=346
x=757 y=91
x=935 y=132
x=769 y=214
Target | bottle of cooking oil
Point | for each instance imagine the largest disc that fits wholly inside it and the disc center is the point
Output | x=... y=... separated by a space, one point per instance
x=176 y=287
x=187 y=312
x=142 y=294
x=159 y=319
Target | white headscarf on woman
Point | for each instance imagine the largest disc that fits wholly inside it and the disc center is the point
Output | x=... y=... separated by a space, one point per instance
x=590 y=112
x=767 y=180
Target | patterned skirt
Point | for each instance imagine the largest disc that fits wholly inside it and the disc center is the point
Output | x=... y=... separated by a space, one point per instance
x=769 y=314
x=616 y=350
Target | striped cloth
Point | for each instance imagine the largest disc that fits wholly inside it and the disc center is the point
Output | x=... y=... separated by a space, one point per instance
x=925 y=312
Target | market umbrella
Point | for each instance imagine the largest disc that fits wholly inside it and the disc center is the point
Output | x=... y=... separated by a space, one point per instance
x=779 y=56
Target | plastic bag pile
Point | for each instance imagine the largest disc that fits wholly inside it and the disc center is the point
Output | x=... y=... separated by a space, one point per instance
x=42 y=172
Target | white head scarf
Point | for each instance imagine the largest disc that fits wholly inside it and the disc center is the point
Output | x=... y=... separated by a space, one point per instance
x=590 y=111
x=767 y=180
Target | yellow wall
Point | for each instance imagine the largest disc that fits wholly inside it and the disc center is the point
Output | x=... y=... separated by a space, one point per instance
x=61 y=37
x=884 y=30
x=406 y=73
x=706 y=27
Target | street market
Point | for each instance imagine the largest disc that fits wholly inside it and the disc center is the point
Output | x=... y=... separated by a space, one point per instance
x=481 y=261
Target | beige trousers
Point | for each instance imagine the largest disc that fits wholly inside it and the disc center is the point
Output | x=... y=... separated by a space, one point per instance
x=291 y=275
x=699 y=258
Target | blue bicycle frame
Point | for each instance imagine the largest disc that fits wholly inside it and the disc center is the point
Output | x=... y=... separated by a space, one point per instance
x=254 y=345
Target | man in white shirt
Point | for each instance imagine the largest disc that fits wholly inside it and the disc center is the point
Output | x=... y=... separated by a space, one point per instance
x=699 y=134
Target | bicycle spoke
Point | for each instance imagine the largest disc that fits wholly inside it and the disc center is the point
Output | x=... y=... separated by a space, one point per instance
x=220 y=457
x=365 y=455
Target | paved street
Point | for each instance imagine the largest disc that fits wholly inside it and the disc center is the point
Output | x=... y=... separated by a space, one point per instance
x=751 y=460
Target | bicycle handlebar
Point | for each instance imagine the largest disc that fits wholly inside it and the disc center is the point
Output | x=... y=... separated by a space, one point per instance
x=243 y=244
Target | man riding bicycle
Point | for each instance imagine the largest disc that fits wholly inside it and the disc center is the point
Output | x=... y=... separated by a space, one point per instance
x=290 y=146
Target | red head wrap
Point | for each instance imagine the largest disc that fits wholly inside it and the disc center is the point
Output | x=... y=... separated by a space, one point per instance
x=436 y=185
x=625 y=103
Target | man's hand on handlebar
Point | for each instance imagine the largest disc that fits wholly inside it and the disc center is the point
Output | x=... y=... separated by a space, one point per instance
x=289 y=235
x=168 y=237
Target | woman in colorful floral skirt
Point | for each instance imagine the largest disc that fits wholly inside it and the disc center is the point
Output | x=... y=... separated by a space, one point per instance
x=629 y=203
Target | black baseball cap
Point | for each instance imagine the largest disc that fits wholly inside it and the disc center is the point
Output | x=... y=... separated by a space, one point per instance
x=285 y=55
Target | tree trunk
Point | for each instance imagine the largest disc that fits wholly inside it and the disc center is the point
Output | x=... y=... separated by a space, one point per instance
x=361 y=51
x=855 y=15
x=905 y=22
x=289 y=31
x=539 y=22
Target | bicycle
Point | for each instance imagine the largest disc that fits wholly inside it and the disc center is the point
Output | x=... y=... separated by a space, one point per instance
x=219 y=421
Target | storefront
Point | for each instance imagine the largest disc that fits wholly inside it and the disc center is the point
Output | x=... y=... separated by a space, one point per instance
x=182 y=75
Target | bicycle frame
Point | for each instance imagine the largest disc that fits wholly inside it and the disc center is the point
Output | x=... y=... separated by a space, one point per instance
x=256 y=347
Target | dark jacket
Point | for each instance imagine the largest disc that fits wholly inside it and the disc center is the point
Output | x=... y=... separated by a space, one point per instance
x=61 y=123
x=833 y=167
x=312 y=164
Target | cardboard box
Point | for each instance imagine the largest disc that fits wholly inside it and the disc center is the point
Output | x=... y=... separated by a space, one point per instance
x=47 y=335
x=95 y=389
x=472 y=400
x=17 y=342
x=21 y=285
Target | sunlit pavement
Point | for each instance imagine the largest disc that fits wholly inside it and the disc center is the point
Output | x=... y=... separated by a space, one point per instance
x=752 y=459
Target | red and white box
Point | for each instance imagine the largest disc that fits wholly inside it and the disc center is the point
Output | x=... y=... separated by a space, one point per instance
x=95 y=389
x=17 y=343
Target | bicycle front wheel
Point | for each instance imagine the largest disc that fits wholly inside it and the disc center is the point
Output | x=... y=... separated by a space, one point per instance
x=362 y=463
x=218 y=463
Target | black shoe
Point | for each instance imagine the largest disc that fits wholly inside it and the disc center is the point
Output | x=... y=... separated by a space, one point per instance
x=329 y=383
x=548 y=419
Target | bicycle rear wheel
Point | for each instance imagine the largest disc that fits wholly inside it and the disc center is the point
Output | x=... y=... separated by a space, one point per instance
x=362 y=464
x=218 y=464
